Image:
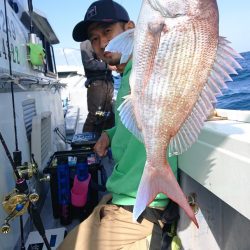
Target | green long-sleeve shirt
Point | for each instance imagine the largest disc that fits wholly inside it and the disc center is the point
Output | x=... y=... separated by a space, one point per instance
x=130 y=156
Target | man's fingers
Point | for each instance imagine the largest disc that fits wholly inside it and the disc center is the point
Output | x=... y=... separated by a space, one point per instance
x=101 y=146
x=100 y=150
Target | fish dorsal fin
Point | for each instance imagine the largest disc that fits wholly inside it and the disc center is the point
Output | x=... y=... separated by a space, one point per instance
x=225 y=64
x=128 y=118
x=123 y=43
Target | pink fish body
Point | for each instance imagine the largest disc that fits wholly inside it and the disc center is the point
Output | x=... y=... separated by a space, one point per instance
x=179 y=66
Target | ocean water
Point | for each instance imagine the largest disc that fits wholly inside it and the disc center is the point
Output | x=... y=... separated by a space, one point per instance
x=237 y=95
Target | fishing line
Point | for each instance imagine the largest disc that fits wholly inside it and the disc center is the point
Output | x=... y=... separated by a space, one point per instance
x=10 y=71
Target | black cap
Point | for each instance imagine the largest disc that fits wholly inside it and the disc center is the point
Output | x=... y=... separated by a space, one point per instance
x=100 y=11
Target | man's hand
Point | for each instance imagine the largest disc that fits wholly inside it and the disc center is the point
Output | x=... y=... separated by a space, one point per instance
x=111 y=67
x=120 y=68
x=101 y=146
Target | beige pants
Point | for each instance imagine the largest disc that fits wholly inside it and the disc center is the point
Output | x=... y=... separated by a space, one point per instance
x=109 y=228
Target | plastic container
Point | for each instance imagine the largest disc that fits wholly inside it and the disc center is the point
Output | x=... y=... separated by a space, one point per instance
x=82 y=171
x=63 y=185
x=79 y=192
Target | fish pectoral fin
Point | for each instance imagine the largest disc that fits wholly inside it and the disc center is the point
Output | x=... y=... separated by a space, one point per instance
x=224 y=65
x=123 y=43
x=127 y=116
x=157 y=180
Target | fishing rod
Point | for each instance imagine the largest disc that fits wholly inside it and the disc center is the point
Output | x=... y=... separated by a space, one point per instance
x=9 y=156
x=20 y=196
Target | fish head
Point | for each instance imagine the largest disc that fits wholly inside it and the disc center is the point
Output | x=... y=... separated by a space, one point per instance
x=178 y=8
x=170 y=8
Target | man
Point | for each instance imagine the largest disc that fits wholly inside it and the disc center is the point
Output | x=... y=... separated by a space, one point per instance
x=110 y=226
x=100 y=91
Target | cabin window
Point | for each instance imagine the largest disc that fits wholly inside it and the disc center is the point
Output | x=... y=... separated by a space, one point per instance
x=50 y=66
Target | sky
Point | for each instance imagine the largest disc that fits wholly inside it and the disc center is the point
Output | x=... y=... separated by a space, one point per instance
x=64 y=15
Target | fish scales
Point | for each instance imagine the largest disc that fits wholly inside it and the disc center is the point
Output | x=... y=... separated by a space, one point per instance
x=180 y=81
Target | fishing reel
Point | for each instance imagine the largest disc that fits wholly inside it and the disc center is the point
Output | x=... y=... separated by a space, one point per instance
x=18 y=201
x=16 y=204
x=28 y=170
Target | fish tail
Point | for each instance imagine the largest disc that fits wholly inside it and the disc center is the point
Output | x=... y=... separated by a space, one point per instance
x=160 y=180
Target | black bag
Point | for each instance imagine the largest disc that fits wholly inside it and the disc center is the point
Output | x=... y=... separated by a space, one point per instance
x=162 y=237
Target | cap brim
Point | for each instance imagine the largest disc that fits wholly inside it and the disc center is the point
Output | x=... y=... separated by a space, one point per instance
x=80 y=31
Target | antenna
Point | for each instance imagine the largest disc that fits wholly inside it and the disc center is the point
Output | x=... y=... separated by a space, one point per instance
x=30 y=6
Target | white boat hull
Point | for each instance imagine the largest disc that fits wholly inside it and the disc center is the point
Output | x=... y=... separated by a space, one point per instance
x=217 y=169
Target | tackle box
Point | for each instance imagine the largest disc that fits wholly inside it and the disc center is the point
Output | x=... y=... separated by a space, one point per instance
x=62 y=168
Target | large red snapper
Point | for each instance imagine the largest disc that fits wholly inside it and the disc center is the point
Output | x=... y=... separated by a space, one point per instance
x=179 y=65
